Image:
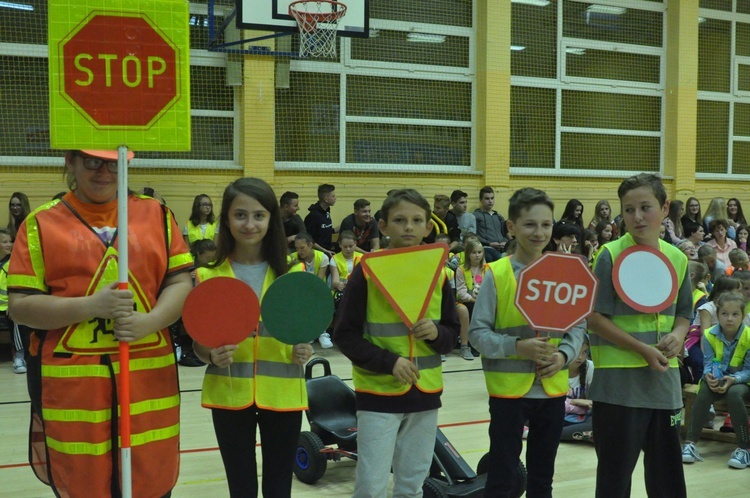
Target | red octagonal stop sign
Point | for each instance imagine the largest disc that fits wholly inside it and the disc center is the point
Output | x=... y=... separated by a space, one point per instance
x=556 y=291
x=119 y=71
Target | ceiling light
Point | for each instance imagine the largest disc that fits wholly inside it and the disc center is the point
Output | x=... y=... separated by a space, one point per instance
x=535 y=3
x=19 y=6
x=425 y=38
x=575 y=51
x=517 y=48
x=606 y=10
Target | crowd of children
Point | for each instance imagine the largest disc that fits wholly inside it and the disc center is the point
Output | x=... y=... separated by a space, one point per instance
x=540 y=387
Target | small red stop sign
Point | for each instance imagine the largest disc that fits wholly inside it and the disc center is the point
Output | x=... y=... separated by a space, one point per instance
x=556 y=291
x=119 y=71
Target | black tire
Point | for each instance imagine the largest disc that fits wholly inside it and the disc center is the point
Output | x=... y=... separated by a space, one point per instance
x=483 y=467
x=521 y=482
x=309 y=463
x=484 y=464
x=433 y=489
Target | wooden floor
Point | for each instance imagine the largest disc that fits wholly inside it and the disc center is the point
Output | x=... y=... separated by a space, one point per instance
x=463 y=418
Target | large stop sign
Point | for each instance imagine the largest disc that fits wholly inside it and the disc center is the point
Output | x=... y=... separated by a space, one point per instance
x=119 y=70
x=556 y=291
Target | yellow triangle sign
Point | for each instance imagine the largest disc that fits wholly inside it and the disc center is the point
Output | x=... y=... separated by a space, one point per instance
x=96 y=335
x=407 y=277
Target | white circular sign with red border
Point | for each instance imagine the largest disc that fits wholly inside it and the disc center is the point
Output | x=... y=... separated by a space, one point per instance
x=652 y=294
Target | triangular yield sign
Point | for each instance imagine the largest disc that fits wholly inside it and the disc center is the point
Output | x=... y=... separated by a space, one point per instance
x=407 y=277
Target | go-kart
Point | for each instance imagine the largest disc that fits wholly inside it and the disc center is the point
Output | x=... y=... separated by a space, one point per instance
x=332 y=416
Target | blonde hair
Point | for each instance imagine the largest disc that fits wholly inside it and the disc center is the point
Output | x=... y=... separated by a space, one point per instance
x=471 y=246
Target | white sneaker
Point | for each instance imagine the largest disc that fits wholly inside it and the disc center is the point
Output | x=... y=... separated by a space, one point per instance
x=740 y=459
x=19 y=365
x=690 y=454
x=325 y=341
x=466 y=353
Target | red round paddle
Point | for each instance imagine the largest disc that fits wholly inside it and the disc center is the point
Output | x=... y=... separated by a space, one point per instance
x=221 y=311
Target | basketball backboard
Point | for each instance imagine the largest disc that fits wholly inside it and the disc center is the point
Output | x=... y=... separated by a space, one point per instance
x=273 y=15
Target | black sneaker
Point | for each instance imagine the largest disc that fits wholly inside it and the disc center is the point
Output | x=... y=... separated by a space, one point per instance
x=190 y=360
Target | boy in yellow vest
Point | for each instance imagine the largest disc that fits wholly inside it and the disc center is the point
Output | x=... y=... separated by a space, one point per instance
x=637 y=392
x=397 y=399
x=524 y=370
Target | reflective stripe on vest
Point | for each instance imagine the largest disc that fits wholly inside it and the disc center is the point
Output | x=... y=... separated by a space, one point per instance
x=743 y=345
x=513 y=376
x=195 y=233
x=384 y=328
x=261 y=373
x=648 y=328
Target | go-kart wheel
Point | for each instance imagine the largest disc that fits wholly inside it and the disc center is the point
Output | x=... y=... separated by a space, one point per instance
x=484 y=465
x=521 y=483
x=309 y=463
x=433 y=488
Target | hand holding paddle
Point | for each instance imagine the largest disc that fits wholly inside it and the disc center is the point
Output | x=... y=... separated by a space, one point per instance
x=655 y=359
x=425 y=330
x=301 y=353
x=536 y=348
x=222 y=356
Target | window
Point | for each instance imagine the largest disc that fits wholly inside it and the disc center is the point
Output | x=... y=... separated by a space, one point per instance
x=587 y=86
x=400 y=100
x=723 y=128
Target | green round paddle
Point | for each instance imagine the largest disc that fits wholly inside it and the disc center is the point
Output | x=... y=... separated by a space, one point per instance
x=297 y=308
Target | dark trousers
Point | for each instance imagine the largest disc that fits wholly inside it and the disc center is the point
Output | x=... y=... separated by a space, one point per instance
x=279 y=435
x=507 y=418
x=694 y=361
x=735 y=398
x=620 y=433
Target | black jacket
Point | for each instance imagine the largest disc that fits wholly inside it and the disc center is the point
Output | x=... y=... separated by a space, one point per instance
x=319 y=226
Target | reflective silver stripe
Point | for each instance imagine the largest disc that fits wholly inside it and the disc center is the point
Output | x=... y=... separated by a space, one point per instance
x=386 y=329
x=508 y=365
x=389 y=329
x=522 y=331
x=428 y=362
x=644 y=337
x=3 y=292
x=239 y=370
x=279 y=370
x=622 y=309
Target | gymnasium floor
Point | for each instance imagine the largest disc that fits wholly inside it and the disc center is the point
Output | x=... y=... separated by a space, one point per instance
x=463 y=418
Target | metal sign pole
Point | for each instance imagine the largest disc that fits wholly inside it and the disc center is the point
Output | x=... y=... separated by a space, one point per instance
x=122 y=278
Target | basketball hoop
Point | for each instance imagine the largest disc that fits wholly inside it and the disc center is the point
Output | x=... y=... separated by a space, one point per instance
x=318 y=21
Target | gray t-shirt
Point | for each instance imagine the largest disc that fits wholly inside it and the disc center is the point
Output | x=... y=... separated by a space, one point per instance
x=493 y=345
x=636 y=387
x=252 y=275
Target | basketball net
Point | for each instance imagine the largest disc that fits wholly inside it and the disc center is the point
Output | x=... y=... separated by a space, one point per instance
x=318 y=22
